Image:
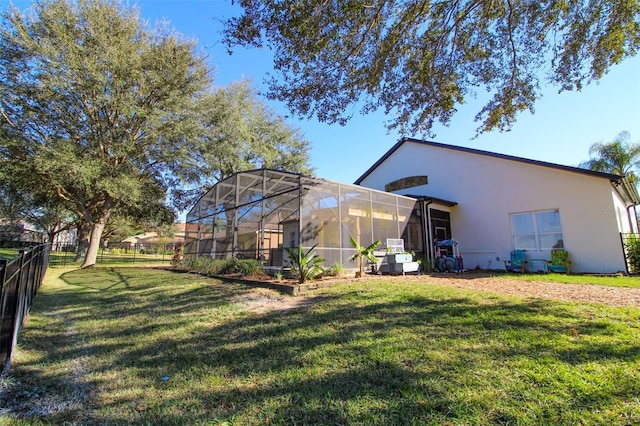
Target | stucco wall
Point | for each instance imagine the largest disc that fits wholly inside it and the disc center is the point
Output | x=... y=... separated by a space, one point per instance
x=487 y=189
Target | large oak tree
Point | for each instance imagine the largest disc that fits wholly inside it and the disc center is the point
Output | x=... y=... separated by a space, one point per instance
x=97 y=103
x=420 y=59
x=99 y=113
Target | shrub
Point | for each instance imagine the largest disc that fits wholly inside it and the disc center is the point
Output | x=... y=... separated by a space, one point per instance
x=210 y=266
x=632 y=247
x=243 y=267
x=251 y=267
x=363 y=253
x=335 y=270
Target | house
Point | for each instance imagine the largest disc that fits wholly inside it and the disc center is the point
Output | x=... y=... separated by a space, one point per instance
x=20 y=231
x=151 y=238
x=492 y=204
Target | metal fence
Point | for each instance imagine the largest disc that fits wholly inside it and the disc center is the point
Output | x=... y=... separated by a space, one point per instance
x=115 y=254
x=20 y=279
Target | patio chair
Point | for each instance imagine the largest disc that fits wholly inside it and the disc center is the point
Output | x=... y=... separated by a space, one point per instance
x=559 y=261
x=517 y=261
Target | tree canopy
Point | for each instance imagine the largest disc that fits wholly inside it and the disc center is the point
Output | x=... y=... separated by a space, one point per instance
x=241 y=133
x=420 y=59
x=99 y=112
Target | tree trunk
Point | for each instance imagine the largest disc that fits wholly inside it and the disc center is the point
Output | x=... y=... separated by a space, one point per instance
x=84 y=234
x=51 y=235
x=94 y=243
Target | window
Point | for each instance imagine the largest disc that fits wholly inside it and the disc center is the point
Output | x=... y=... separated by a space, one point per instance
x=536 y=231
x=406 y=182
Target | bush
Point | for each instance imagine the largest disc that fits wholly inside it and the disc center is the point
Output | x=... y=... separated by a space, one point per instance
x=335 y=270
x=250 y=267
x=632 y=247
x=210 y=266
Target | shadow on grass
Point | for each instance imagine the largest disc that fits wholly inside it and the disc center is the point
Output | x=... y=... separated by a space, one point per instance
x=359 y=355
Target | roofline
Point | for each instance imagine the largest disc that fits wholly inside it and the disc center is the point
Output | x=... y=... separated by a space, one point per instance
x=292 y=174
x=263 y=169
x=609 y=176
x=429 y=199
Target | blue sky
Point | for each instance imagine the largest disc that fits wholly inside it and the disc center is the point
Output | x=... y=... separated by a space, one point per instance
x=560 y=131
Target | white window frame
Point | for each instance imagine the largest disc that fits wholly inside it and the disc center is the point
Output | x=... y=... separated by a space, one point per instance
x=536 y=233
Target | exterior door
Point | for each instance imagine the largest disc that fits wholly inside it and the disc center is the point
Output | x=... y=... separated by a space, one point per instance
x=440 y=227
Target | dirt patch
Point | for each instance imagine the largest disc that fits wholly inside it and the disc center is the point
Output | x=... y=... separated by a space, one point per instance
x=262 y=300
x=272 y=297
x=481 y=281
x=614 y=296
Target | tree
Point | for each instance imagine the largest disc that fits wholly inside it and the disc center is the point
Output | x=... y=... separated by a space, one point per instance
x=47 y=215
x=150 y=213
x=23 y=199
x=619 y=156
x=363 y=253
x=241 y=133
x=420 y=59
x=96 y=104
x=106 y=117
x=244 y=133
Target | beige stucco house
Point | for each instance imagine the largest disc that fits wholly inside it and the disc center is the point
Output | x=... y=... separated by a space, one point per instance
x=492 y=204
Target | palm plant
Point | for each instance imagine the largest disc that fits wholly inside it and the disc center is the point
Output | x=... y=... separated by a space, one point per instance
x=620 y=157
x=362 y=253
x=306 y=266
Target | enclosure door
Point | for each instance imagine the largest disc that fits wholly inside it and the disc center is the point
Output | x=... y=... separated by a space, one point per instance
x=440 y=228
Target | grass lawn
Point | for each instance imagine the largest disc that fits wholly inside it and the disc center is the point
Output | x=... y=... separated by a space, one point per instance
x=144 y=346
x=632 y=281
x=9 y=253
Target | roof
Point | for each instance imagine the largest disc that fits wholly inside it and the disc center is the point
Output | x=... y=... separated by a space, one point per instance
x=609 y=176
x=271 y=183
x=430 y=200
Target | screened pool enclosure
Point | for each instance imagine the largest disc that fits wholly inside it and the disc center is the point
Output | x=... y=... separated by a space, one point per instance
x=255 y=214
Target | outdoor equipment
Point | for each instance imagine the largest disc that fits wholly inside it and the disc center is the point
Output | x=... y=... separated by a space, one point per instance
x=448 y=257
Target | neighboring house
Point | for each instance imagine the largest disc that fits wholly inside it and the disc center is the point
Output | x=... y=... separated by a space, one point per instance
x=66 y=238
x=493 y=203
x=140 y=240
x=149 y=239
x=20 y=231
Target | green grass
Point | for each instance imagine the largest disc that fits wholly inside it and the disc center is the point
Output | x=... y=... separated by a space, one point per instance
x=632 y=281
x=9 y=253
x=145 y=346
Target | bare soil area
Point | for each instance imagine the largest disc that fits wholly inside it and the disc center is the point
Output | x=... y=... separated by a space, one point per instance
x=615 y=296
x=262 y=299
